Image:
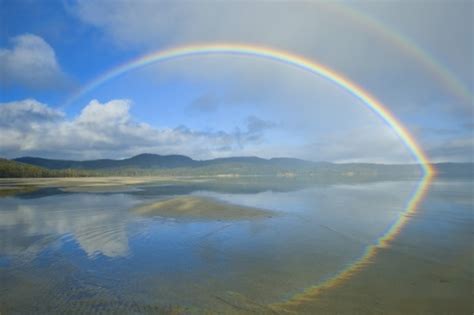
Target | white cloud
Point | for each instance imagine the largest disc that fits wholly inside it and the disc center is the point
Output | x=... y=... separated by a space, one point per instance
x=22 y=113
x=38 y=219
x=107 y=130
x=30 y=62
x=112 y=113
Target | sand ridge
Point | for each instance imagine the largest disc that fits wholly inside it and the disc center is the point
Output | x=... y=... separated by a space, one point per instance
x=196 y=207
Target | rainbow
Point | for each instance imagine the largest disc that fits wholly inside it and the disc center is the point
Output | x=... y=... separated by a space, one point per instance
x=311 y=293
x=407 y=46
x=322 y=71
x=270 y=54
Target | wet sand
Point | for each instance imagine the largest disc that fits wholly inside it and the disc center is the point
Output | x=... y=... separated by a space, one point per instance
x=13 y=186
x=394 y=283
x=427 y=269
x=192 y=207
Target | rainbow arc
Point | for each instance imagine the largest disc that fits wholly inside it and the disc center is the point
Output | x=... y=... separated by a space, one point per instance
x=319 y=70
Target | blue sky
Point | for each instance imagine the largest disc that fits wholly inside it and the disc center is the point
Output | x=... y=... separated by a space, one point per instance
x=225 y=105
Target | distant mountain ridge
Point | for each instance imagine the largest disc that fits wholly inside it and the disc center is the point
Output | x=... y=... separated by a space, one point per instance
x=181 y=165
x=150 y=161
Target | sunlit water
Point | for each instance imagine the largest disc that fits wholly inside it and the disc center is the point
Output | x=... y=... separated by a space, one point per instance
x=90 y=252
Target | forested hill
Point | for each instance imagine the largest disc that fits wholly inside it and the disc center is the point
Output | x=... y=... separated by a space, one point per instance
x=155 y=161
x=14 y=169
x=180 y=165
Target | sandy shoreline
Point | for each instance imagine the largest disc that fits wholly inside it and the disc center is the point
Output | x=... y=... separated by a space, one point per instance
x=12 y=186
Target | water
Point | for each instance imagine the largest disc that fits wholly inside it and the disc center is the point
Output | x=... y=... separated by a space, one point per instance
x=90 y=252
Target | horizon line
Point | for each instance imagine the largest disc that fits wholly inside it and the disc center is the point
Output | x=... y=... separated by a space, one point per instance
x=228 y=157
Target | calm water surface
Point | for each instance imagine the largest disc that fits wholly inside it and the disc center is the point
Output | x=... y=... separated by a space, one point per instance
x=91 y=252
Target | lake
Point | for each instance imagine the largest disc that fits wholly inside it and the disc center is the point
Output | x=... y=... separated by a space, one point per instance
x=237 y=246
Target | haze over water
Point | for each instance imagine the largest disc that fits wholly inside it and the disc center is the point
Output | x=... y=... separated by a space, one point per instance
x=92 y=251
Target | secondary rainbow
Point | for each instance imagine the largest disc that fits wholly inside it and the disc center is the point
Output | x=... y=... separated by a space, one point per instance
x=405 y=45
x=270 y=54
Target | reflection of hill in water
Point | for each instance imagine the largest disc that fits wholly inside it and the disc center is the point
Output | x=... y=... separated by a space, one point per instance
x=90 y=247
x=30 y=226
x=238 y=186
x=97 y=221
x=241 y=185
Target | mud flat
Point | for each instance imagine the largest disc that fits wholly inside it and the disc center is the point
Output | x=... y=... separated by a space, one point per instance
x=9 y=187
x=195 y=208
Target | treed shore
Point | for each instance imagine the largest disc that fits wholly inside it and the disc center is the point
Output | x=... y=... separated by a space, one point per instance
x=227 y=168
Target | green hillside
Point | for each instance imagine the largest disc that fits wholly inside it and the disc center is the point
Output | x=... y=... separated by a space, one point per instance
x=14 y=169
x=180 y=165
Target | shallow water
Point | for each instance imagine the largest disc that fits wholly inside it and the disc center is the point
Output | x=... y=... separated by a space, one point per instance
x=90 y=252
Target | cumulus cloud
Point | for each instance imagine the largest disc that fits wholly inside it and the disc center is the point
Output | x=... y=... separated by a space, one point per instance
x=24 y=112
x=30 y=61
x=107 y=130
x=108 y=114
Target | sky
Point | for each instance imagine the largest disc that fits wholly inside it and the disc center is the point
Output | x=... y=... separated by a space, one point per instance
x=415 y=57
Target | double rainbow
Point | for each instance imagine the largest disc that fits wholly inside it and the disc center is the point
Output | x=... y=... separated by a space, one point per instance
x=277 y=56
x=319 y=70
x=404 y=45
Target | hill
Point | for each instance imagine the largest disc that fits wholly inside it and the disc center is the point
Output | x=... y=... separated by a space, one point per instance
x=142 y=161
x=156 y=161
x=181 y=165
x=10 y=168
